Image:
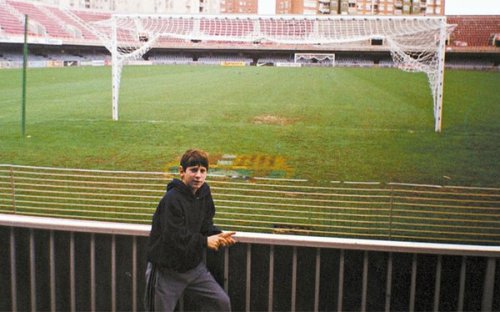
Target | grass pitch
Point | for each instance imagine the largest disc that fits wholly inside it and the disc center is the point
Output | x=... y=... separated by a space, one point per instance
x=323 y=124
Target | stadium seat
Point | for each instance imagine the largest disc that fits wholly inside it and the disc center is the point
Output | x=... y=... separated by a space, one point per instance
x=474 y=31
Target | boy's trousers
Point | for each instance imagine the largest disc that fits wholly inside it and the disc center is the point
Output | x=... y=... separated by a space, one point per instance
x=197 y=284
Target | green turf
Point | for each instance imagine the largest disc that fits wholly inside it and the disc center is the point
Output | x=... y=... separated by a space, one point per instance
x=347 y=124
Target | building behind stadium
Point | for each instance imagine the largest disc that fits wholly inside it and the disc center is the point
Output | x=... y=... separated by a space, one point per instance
x=307 y=7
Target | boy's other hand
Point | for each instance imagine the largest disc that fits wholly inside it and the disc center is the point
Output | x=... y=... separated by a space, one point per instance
x=213 y=242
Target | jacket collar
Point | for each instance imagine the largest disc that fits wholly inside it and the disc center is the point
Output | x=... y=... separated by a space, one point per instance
x=186 y=190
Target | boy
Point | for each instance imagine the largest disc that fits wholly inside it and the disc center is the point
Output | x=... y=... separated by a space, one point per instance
x=182 y=228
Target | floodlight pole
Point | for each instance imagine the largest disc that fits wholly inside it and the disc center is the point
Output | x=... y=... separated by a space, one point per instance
x=439 y=83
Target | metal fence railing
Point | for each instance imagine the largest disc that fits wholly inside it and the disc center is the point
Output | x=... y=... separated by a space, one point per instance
x=59 y=264
x=393 y=211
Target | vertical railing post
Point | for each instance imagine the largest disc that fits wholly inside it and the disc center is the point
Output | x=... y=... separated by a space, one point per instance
x=113 y=273
x=437 y=284
x=248 y=277
x=388 y=284
x=294 y=280
x=461 y=290
x=92 y=273
x=226 y=270
x=489 y=285
x=32 y=271
x=52 y=272
x=317 y=279
x=13 y=272
x=341 y=281
x=72 y=276
x=134 y=273
x=413 y=285
x=271 y=279
x=364 y=291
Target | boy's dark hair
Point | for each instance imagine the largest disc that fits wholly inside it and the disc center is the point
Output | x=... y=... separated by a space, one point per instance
x=194 y=157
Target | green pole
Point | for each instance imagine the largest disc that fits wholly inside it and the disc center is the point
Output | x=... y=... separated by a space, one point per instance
x=25 y=64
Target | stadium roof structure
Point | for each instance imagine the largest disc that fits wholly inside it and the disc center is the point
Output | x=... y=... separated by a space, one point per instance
x=416 y=43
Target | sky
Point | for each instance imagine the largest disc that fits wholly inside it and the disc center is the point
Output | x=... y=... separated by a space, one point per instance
x=268 y=7
x=453 y=7
x=472 y=7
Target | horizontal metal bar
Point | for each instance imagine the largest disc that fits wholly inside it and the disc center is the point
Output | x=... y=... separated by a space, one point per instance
x=81 y=170
x=163 y=175
x=255 y=238
x=73 y=225
x=83 y=181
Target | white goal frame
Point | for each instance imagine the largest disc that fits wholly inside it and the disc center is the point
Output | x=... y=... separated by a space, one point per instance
x=416 y=43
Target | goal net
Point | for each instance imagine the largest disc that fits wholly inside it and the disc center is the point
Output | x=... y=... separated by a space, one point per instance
x=416 y=44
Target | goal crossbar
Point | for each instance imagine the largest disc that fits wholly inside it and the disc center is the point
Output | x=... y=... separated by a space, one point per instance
x=416 y=43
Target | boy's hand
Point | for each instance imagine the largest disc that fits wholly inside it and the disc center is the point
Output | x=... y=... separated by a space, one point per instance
x=213 y=242
x=226 y=239
x=221 y=240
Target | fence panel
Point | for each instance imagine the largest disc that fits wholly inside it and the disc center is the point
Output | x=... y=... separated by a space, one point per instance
x=394 y=211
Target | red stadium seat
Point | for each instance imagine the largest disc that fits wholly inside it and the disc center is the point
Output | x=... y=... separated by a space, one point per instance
x=474 y=31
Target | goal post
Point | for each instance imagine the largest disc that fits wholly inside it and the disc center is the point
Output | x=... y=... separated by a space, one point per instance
x=416 y=43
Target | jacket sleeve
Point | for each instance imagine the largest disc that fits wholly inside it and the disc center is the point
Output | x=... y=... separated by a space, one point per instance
x=155 y=246
x=208 y=227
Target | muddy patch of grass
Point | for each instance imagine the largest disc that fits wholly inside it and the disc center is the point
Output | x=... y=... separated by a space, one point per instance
x=272 y=120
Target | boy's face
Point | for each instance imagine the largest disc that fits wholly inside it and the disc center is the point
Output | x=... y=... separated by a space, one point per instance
x=193 y=176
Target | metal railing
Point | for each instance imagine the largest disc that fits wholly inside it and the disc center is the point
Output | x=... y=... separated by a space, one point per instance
x=392 y=211
x=74 y=265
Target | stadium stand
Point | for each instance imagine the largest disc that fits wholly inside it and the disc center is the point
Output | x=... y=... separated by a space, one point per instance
x=9 y=23
x=39 y=14
x=474 y=31
x=170 y=58
x=47 y=21
x=92 y=16
x=473 y=44
x=69 y=23
x=213 y=27
x=220 y=58
x=354 y=60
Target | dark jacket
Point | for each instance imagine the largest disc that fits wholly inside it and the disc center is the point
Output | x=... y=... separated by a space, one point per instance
x=181 y=224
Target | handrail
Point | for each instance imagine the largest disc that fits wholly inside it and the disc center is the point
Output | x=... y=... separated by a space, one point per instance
x=115 y=228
